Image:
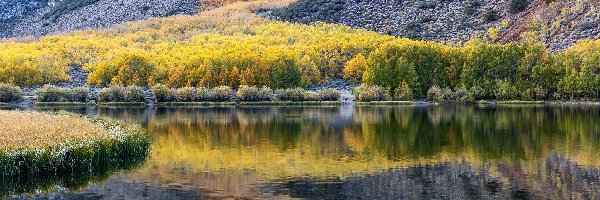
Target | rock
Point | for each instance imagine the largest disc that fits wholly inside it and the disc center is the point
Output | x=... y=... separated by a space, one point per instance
x=441 y=21
x=42 y=17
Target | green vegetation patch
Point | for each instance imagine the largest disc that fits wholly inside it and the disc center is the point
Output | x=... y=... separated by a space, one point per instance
x=37 y=145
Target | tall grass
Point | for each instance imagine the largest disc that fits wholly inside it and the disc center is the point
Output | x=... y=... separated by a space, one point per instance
x=41 y=146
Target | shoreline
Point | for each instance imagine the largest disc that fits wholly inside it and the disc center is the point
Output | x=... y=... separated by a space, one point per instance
x=290 y=103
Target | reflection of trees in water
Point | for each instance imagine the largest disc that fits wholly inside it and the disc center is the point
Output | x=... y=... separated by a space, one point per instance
x=488 y=133
x=556 y=178
x=399 y=133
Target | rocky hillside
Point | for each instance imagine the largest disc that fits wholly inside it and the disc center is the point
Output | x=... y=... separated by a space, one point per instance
x=558 y=23
x=42 y=17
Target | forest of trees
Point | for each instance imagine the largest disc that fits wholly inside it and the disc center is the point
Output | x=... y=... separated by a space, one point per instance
x=241 y=49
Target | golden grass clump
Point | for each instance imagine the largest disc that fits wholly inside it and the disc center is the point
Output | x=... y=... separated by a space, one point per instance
x=29 y=130
x=59 y=147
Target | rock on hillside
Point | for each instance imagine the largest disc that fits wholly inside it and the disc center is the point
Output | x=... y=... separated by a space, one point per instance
x=455 y=21
x=42 y=17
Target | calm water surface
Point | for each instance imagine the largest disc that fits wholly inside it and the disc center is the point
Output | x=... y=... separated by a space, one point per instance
x=434 y=152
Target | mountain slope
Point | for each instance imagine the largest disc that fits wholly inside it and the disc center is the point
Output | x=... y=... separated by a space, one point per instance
x=43 y=17
x=558 y=24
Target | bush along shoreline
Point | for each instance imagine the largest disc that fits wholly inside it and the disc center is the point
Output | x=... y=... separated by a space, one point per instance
x=60 y=156
x=121 y=96
x=245 y=95
x=55 y=96
x=10 y=94
x=162 y=95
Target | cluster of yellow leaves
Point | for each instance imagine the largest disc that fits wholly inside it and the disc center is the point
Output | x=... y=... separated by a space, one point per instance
x=28 y=64
x=35 y=130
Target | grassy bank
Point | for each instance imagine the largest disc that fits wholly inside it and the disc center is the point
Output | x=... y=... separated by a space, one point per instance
x=38 y=146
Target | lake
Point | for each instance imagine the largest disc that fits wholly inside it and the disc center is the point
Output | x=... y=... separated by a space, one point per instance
x=379 y=152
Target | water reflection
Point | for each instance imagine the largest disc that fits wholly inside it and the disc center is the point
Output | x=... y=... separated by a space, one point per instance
x=437 y=152
x=25 y=185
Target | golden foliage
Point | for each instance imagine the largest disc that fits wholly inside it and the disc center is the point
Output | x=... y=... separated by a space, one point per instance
x=35 y=130
x=232 y=46
x=354 y=69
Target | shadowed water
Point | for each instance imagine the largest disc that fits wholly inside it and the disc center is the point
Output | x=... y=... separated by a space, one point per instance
x=433 y=152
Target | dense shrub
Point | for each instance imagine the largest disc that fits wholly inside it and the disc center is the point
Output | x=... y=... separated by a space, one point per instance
x=253 y=94
x=329 y=95
x=464 y=96
x=122 y=94
x=9 y=93
x=221 y=94
x=299 y=95
x=80 y=94
x=162 y=93
x=311 y=96
x=111 y=94
x=403 y=92
x=491 y=15
x=515 y=6
x=192 y=94
x=476 y=93
x=188 y=94
x=448 y=95
x=135 y=94
x=435 y=94
x=506 y=91
x=295 y=94
x=365 y=93
x=51 y=93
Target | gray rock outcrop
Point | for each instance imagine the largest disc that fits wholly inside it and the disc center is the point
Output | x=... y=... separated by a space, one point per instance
x=43 y=17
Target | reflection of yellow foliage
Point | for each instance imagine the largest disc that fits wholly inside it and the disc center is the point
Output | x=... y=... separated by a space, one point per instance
x=356 y=142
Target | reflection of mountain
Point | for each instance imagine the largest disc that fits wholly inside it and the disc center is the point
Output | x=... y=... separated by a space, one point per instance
x=557 y=178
